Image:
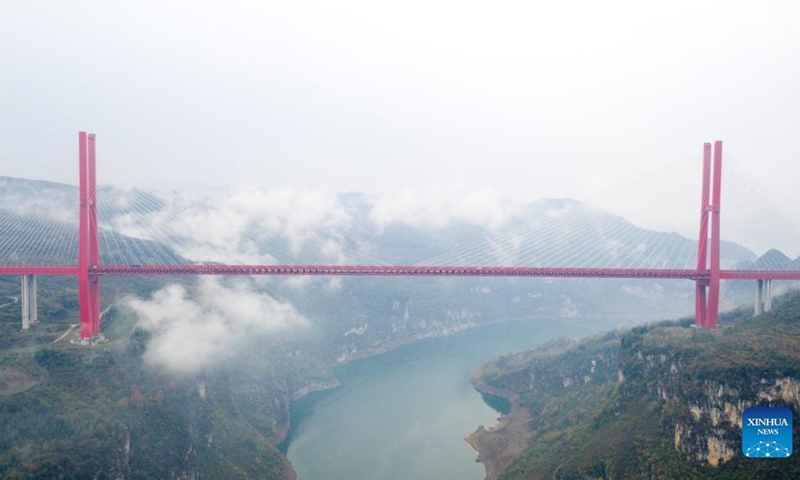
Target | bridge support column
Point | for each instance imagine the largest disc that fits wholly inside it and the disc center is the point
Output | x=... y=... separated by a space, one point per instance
x=759 y=297
x=88 y=249
x=702 y=243
x=700 y=303
x=712 y=312
x=707 y=302
x=29 y=301
x=767 y=295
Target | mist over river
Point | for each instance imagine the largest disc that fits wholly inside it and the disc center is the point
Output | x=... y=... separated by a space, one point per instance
x=404 y=415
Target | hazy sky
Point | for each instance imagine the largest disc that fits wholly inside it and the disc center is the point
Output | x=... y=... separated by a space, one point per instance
x=608 y=102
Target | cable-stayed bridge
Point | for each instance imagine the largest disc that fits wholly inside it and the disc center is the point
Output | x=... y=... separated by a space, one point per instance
x=137 y=232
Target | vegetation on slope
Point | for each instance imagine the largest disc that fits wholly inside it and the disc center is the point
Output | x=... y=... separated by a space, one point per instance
x=103 y=412
x=658 y=401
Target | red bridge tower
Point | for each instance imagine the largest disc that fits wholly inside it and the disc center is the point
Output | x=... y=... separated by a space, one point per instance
x=88 y=245
x=707 y=307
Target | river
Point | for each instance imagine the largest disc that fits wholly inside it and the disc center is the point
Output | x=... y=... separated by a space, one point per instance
x=404 y=415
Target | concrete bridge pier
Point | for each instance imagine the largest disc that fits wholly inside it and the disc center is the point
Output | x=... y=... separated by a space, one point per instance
x=759 y=297
x=29 y=301
x=763 y=296
x=767 y=295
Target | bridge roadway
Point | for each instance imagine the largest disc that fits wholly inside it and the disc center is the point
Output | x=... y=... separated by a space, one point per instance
x=401 y=271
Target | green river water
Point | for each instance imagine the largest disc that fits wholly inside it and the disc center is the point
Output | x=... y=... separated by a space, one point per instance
x=404 y=415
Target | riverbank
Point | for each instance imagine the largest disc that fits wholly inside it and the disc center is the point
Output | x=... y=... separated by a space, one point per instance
x=391 y=345
x=504 y=441
x=282 y=433
x=571 y=320
x=418 y=402
x=382 y=349
x=636 y=403
x=405 y=414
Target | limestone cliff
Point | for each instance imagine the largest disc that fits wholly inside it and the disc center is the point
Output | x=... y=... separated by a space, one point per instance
x=657 y=401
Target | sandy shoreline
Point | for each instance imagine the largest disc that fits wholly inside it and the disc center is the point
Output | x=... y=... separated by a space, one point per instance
x=504 y=441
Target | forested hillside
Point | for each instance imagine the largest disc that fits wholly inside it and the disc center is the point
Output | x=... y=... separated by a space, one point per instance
x=658 y=401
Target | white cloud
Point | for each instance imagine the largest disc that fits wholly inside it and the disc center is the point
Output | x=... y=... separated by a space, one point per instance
x=237 y=228
x=290 y=210
x=38 y=201
x=300 y=225
x=299 y=282
x=438 y=207
x=195 y=331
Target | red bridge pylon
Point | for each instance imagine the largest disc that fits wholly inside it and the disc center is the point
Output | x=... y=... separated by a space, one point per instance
x=88 y=245
x=707 y=302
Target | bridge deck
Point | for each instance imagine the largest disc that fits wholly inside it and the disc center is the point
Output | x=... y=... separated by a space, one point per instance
x=401 y=271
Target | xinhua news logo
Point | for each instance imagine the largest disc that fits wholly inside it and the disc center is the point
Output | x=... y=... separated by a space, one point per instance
x=767 y=432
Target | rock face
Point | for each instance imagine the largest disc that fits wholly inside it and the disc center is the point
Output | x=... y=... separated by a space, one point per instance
x=657 y=401
x=501 y=443
x=504 y=441
x=708 y=399
x=712 y=433
x=315 y=387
